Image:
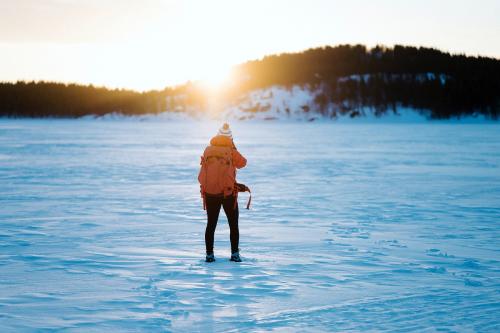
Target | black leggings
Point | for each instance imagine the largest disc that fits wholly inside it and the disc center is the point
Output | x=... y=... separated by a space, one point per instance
x=213 y=208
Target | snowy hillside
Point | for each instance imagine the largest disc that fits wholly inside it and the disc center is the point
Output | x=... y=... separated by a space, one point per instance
x=299 y=103
x=278 y=103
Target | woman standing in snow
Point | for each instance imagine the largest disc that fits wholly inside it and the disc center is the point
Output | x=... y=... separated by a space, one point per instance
x=217 y=179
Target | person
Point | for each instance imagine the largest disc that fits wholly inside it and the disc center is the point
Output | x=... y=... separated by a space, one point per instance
x=217 y=179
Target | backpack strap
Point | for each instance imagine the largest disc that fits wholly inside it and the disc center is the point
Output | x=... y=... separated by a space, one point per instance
x=203 y=197
x=249 y=199
x=202 y=190
x=242 y=188
x=235 y=194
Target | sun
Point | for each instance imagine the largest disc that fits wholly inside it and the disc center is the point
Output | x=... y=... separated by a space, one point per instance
x=216 y=76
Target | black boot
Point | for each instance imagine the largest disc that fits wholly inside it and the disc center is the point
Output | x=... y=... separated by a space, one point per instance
x=210 y=257
x=235 y=256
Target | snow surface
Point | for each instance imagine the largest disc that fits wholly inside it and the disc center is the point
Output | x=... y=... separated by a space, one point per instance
x=354 y=227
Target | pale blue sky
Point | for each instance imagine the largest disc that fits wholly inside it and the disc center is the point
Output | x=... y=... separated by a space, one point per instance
x=153 y=43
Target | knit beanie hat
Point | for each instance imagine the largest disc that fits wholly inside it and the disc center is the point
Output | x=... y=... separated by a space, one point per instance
x=225 y=131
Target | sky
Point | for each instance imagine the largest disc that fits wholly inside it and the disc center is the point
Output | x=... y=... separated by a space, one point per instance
x=150 y=44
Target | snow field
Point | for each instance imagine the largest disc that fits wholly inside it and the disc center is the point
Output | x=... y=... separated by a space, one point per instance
x=354 y=227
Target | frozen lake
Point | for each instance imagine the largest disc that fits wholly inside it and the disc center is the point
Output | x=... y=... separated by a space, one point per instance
x=354 y=227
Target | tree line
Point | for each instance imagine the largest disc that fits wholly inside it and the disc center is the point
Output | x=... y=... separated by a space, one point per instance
x=346 y=76
x=51 y=99
x=383 y=78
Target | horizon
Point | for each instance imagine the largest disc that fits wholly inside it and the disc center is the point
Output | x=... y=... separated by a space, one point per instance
x=214 y=86
x=158 y=43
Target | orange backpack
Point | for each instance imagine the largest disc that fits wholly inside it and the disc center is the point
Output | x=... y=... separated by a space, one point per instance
x=218 y=174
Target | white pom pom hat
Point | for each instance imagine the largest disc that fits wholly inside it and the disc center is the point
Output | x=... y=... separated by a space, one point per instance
x=225 y=131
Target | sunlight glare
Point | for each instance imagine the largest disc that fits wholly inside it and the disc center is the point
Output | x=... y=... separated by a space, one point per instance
x=216 y=76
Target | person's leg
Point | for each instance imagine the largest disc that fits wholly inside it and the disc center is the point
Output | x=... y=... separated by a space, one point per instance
x=232 y=213
x=213 y=209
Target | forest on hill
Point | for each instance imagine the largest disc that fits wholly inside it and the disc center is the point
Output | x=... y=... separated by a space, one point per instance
x=345 y=76
x=383 y=78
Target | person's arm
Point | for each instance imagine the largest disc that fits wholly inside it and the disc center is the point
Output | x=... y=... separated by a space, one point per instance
x=238 y=160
